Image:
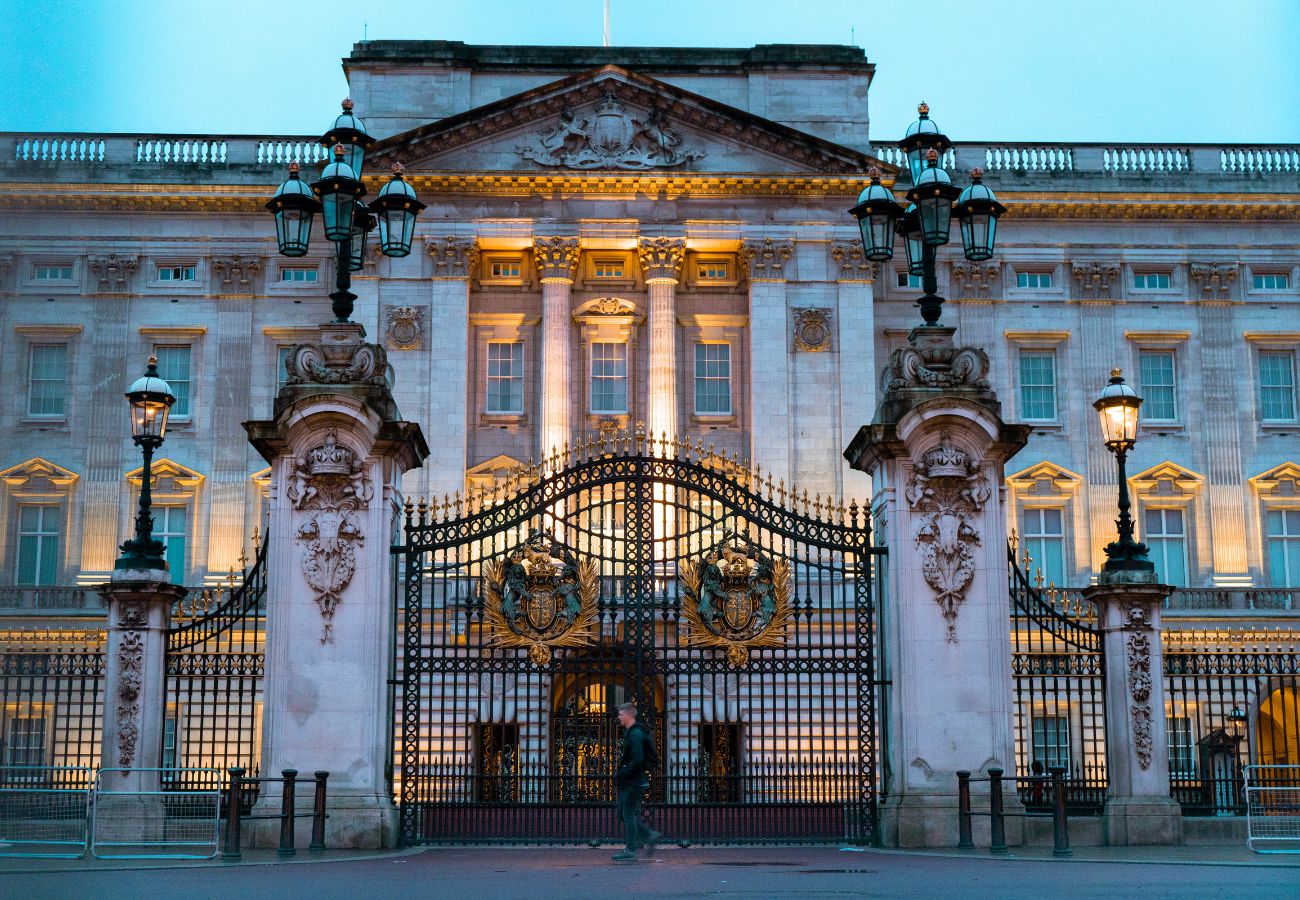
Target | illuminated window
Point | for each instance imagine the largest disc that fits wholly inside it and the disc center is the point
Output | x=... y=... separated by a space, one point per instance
x=25 y=741
x=908 y=281
x=505 y=377
x=1270 y=281
x=1165 y=533
x=1159 y=399
x=712 y=270
x=39 y=530
x=1277 y=385
x=1051 y=740
x=174 y=368
x=169 y=743
x=1038 y=384
x=175 y=273
x=1150 y=281
x=1034 y=279
x=169 y=527
x=608 y=377
x=1182 y=749
x=607 y=268
x=713 y=379
x=298 y=273
x=504 y=268
x=53 y=273
x=1282 y=527
x=47 y=380
x=1044 y=541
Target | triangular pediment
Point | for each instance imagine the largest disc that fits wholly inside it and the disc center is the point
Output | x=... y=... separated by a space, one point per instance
x=1282 y=481
x=1167 y=478
x=168 y=476
x=613 y=119
x=36 y=471
x=1046 y=478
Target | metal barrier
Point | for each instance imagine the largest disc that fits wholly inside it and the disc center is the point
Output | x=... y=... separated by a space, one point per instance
x=1273 y=808
x=136 y=819
x=286 y=815
x=43 y=810
x=997 y=814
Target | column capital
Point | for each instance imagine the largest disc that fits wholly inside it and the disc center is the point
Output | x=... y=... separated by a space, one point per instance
x=453 y=257
x=766 y=257
x=234 y=274
x=112 y=273
x=661 y=257
x=556 y=257
x=975 y=280
x=853 y=262
x=1095 y=278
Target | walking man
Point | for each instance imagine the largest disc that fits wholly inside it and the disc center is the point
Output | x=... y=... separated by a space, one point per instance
x=631 y=780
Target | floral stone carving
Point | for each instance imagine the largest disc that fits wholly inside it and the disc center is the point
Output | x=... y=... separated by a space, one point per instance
x=610 y=139
x=130 y=664
x=1138 y=649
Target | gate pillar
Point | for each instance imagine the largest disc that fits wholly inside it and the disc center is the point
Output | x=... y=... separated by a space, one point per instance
x=935 y=452
x=337 y=448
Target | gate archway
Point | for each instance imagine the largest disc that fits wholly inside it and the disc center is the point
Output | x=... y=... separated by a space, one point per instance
x=739 y=615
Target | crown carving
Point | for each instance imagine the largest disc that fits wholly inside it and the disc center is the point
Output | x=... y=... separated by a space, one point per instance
x=329 y=458
x=946 y=460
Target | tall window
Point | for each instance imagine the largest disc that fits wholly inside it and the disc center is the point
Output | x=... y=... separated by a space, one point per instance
x=169 y=527
x=1277 y=385
x=47 y=380
x=25 y=741
x=1283 y=530
x=174 y=367
x=1044 y=541
x=169 y=742
x=38 y=545
x=608 y=377
x=713 y=379
x=1151 y=281
x=1051 y=739
x=1165 y=534
x=1038 y=384
x=505 y=377
x=1034 y=279
x=1159 y=399
x=1182 y=751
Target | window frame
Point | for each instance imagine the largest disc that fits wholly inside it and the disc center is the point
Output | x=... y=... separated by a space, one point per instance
x=592 y=378
x=1061 y=728
x=1028 y=539
x=63 y=394
x=1259 y=277
x=519 y=372
x=1037 y=275
x=1157 y=543
x=1144 y=388
x=39 y=267
x=1290 y=543
x=162 y=517
x=696 y=379
x=172 y=268
x=1051 y=354
x=178 y=414
x=1270 y=352
x=35 y=714
x=1144 y=273
x=293 y=284
x=43 y=536
x=489 y=259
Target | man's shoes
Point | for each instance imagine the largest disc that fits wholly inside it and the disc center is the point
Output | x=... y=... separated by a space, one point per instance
x=653 y=840
x=625 y=856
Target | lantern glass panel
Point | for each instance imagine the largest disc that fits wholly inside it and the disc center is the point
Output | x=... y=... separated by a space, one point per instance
x=916 y=162
x=936 y=219
x=354 y=155
x=877 y=236
x=149 y=417
x=977 y=234
x=336 y=209
x=1119 y=420
x=396 y=231
x=293 y=231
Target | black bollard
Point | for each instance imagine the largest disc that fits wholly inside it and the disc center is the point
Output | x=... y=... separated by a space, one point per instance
x=998 y=825
x=1060 y=825
x=964 y=840
x=234 y=800
x=318 y=814
x=286 y=814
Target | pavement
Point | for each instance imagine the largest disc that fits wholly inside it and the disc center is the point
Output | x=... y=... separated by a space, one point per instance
x=482 y=873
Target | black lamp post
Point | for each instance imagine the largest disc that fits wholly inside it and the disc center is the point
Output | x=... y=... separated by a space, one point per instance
x=1118 y=407
x=926 y=224
x=151 y=401
x=337 y=197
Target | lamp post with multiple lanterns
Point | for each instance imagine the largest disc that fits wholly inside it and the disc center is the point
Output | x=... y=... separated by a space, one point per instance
x=151 y=401
x=1118 y=408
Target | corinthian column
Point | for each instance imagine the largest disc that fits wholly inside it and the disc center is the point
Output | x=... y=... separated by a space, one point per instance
x=556 y=257
x=661 y=261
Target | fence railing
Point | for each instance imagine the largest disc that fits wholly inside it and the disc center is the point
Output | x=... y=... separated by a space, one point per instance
x=135 y=816
x=44 y=810
x=288 y=782
x=1273 y=808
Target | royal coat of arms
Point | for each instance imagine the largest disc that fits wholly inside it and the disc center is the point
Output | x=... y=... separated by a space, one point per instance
x=540 y=597
x=737 y=598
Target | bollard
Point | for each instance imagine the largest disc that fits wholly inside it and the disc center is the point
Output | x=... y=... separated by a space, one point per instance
x=1060 y=825
x=318 y=814
x=286 y=814
x=964 y=841
x=997 y=825
x=234 y=799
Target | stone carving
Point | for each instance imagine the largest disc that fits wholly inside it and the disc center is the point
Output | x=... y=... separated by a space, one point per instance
x=1136 y=615
x=812 y=330
x=661 y=257
x=130 y=665
x=853 y=262
x=112 y=272
x=1138 y=653
x=132 y=614
x=235 y=273
x=937 y=367
x=737 y=599
x=766 y=258
x=947 y=490
x=924 y=767
x=328 y=486
x=405 y=327
x=608 y=306
x=345 y=362
x=610 y=139
x=453 y=257
x=1095 y=278
x=556 y=257
x=975 y=280
x=1214 y=278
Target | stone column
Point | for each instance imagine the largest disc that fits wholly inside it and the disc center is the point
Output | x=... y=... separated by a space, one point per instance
x=454 y=261
x=661 y=261
x=769 y=354
x=935 y=453
x=855 y=353
x=337 y=452
x=557 y=259
x=1139 y=809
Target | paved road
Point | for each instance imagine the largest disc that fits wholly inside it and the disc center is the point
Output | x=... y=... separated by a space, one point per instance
x=542 y=874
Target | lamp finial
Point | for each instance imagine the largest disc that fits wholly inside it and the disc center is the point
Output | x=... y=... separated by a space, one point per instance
x=339 y=153
x=923 y=108
x=874 y=174
x=347 y=104
x=1116 y=372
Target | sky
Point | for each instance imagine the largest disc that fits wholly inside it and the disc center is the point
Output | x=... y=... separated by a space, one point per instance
x=1181 y=71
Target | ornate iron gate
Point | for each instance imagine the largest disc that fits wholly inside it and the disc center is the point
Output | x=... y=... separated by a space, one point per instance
x=739 y=616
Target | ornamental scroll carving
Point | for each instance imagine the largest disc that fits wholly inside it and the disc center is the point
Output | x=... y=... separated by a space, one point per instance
x=947 y=490
x=236 y=273
x=347 y=364
x=453 y=257
x=853 y=262
x=1138 y=653
x=328 y=486
x=1095 y=279
x=661 y=257
x=556 y=257
x=974 y=280
x=937 y=367
x=113 y=272
x=130 y=666
x=812 y=330
x=767 y=258
x=610 y=138
x=405 y=327
x=1215 y=279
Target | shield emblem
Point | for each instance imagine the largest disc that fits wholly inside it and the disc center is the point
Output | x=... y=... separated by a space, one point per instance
x=738 y=611
x=541 y=609
x=611 y=132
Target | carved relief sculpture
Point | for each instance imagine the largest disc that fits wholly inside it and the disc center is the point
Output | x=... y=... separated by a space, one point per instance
x=112 y=273
x=975 y=280
x=610 y=139
x=235 y=273
x=360 y=363
x=767 y=258
x=453 y=257
x=1095 y=278
x=1138 y=652
x=947 y=490
x=661 y=257
x=737 y=599
x=133 y=617
x=556 y=257
x=1215 y=279
x=853 y=262
x=405 y=327
x=812 y=330
x=328 y=486
x=936 y=367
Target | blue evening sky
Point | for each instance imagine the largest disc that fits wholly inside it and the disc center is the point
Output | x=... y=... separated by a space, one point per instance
x=1104 y=70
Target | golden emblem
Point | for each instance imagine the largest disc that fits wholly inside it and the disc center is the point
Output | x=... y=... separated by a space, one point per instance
x=737 y=598
x=539 y=597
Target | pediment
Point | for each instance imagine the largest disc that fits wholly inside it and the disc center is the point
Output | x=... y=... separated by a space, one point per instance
x=612 y=119
x=498 y=467
x=168 y=476
x=1280 y=481
x=1167 y=479
x=38 y=474
x=1045 y=478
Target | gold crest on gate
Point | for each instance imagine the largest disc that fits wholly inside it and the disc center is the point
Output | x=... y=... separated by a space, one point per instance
x=540 y=597
x=737 y=599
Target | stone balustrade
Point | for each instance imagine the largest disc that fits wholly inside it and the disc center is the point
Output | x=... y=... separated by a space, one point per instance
x=1259 y=599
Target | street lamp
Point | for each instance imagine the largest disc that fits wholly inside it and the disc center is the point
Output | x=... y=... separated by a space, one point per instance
x=1118 y=407
x=346 y=220
x=926 y=224
x=151 y=401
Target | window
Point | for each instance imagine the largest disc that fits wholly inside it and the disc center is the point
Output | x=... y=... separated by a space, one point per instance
x=1282 y=527
x=608 y=377
x=1270 y=281
x=1156 y=371
x=908 y=281
x=1182 y=751
x=47 y=380
x=607 y=268
x=53 y=273
x=38 y=545
x=1038 y=384
x=1044 y=541
x=169 y=527
x=297 y=273
x=1164 y=531
x=713 y=379
x=505 y=377
x=174 y=368
x=504 y=268
x=175 y=273
x=25 y=741
x=712 y=270
x=1151 y=281
x=1033 y=279
x=169 y=742
x=1277 y=385
x=1051 y=739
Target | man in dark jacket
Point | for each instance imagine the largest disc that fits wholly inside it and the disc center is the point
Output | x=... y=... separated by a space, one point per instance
x=631 y=780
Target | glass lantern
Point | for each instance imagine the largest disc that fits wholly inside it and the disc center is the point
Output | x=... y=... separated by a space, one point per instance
x=933 y=195
x=338 y=190
x=294 y=206
x=877 y=213
x=396 y=208
x=1118 y=407
x=350 y=133
x=151 y=401
x=978 y=211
